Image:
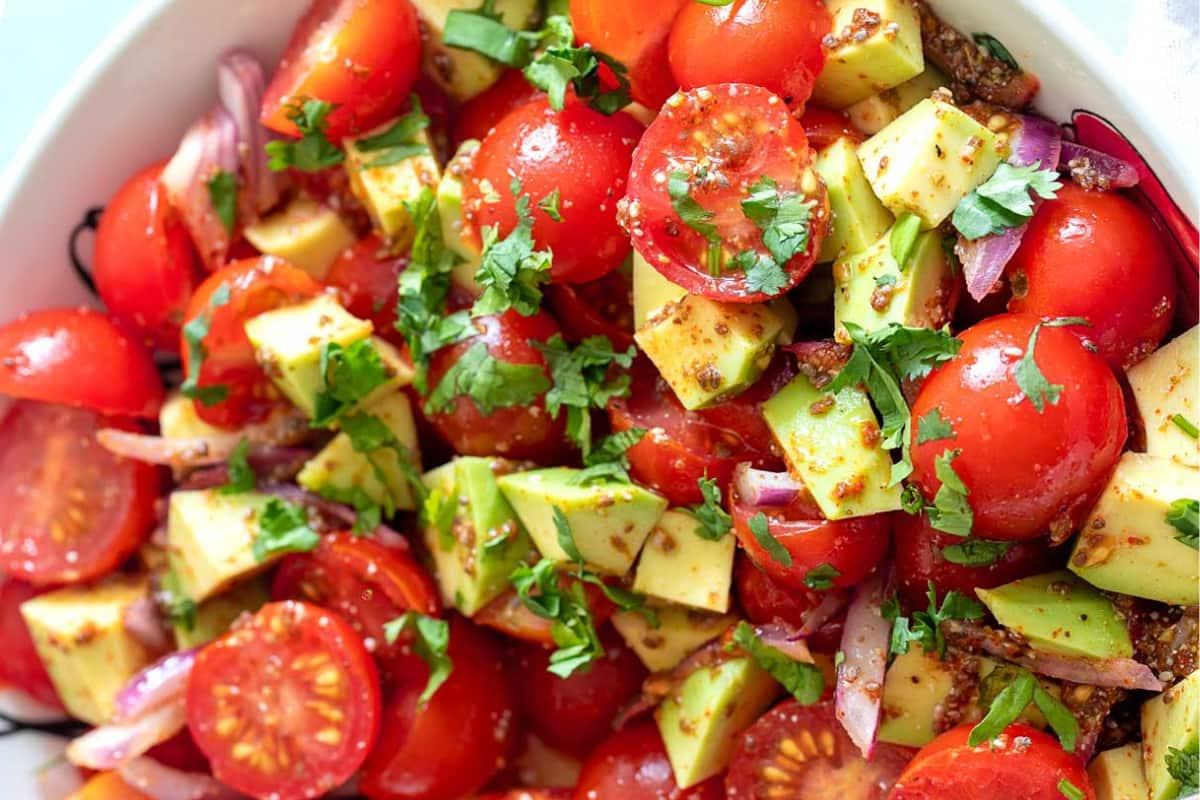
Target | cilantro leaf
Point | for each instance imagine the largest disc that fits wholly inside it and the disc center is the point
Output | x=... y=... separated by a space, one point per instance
x=1070 y=790
x=566 y=540
x=608 y=462
x=821 y=577
x=369 y=434
x=1184 y=516
x=1028 y=374
x=1186 y=425
x=369 y=514
x=349 y=374
x=903 y=239
x=194 y=334
x=179 y=609
x=241 y=476
x=399 y=142
x=763 y=273
x=1005 y=708
x=933 y=427
x=489 y=382
x=1184 y=766
x=1003 y=201
x=761 y=530
x=714 y=520
x=924 y=627
x=995 y=49
x=313 y=152
x=695 y=216
x=581 y=381
x=483 y=31
x=975 y=552
x=783 y=218
x=511 y=271
x=573 y=629
x=283 y=528
x=549 y=204
x=431 y=642
x=950 y=512
x=562 y=65
x=223 y=193
x=1061 y=720
x=803 y=681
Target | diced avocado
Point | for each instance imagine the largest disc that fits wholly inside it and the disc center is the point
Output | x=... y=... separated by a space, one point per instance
x=80 y=636
x=709 y=351
x=608 y=521
x=1127 y=546
x=1118 y=774
x=877 y=45
x=833 y=444
x=872 y=290
x=651 y=291
x=700 y=721
x=876 y=112
x=339 y=468
x=385 y=191
x=929 y=159
x=1170 y=720
x=464 y=73
x=1165 y=385
x=1059 y=613
x=915 y=685
x=450 y=212
x=483 y=542
x=210 y=540
x=680 y=632
x=177 y=419
x=215 y=615
x=679 y=566
x=306 y=233
x=858 y=218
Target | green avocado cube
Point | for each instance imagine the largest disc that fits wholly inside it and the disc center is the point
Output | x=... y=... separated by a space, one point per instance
x=386 y=191
x=1171 y=720
x=210 y=540
x=608 y=521
x=832 y=443
x=214 y=616
x=1118 y=774
x=463 y=74
x=1059 y=613
x=1165 y=385
x=929 y=159
x=878 y=111
x=679 y=566
x=651 y=291
x=680 y=632
x=876 y=45
x=305 y=233
x=915 y=685
x=177 y=419
x=858 y=218
x=454 y=222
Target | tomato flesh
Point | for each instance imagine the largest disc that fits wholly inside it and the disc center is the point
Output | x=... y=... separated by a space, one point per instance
x=632 y=765
x=21 y=666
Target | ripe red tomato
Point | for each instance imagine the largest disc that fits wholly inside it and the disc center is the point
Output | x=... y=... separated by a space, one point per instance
x=456 y=743
x=720 y=141
x=803 y=751
x=578 y=153
x=1054 y=461
x=824 y=127
x=482 y=113
x=145 y=267
x=78 y=357
x=763 y=600
x=286 y=705
x=634 y=33
x=1128 y=293
x=513 y=618
x=70 y=511
x=598 y=308
x=365 y=276
x=764 y=42
x=1021 y=762
x=529 y=794
x=632 y=765
x=363 y=56
x=21 y=666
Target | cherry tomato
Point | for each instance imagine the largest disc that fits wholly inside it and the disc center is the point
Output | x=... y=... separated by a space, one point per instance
x=1129 y=293
x=482 y=113
x=455 y=744
x=824 y=127
x=763 y=600
x=365 y=276
x=145 y=266
x=286 y=705
x=578 y=153
x=575 y=713
x=635 y=34
x=180 y=752
x=529 y=794
x=70 y=511
x=254 y=286
x=362 y=56
x=517 y=432
x=1021 y=762
x=632 y=765
x=776 y=45
x=21 y=666
x=598 y=308
x=722 y=140
x=513 y=618
x=1054 y=461
x=78 y=357
x=802 y=751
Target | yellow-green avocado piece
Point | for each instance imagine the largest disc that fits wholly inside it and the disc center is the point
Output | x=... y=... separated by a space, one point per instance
x=876 y=45
x=680 y=632
x=914 y=686
x=873 y=114
x=386 y=191
x=857 y=218
x=1164 y=385
x=1171 y=720
x=210 y=540
x=651 y=291
x=454 y=223
x=1118 y=774
x=305 y=233
x=464 y=73
x=214 y=616
x=680 y=566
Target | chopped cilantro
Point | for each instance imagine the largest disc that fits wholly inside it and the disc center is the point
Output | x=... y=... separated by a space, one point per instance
x=483 y=30
x=1184 y=766
x=924 y=627
x=511 y=271
x=933 y=427
x=1070 y=790
x=549 y=204
x=695 y=216
x=369 y=514
x=283 y=528
x=349 y=374
x=761 y=530
x=951 y=512
x=369 y=434
x=399 y=142
x=581 y=381
x=561 y=65
x=803 y=681
x=995 y=49
x=1184 y=516
x=607 y=462
x=566 y=540
x=489 y=382
x=241 y=476
x=975 y=552
x=194 y=333
x=573 y=630
x=886 y=280
x=1003 y=200
x=763 y=273
x=313 y=152
x=714 y=520
x=178 y=607
x=1006 y=707
x=821 y=577
x=1028 y=374
x=903 y=239
x=783 y=218
x=223 y=193
x=1186 y=425
x=431 y=641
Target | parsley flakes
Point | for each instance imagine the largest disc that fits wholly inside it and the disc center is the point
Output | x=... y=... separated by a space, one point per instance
x=714 y=520
x=313 y=152
x=511 y=271
x=1003 y=201
x=431 y=642
x=1028 y=375
x=581 y=381
x=760 y=528
x=194 y=334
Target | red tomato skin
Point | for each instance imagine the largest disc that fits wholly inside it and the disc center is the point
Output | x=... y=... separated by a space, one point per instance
x=632 y=765
x=366 y=69
x=508 y=615
x=598 y=308
x=529 y=794
x=21 y=666
x=145 y=267
x=949 y=769
x=1054 y=462
x=764 y=42
x=365 y=276
x=78 y=357
x=636 y=34
x=1128 y=294
x=459 y=741
x=763 y=600
x=482 y=113
x=824 y=127
x=578 y=152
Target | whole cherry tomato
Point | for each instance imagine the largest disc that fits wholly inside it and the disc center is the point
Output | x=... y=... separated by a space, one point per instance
x=763 y=600
x=21 y=666
x=635 y=34
x=365 y=276
x=824 y=127
x=632 y=765
x=482 y=113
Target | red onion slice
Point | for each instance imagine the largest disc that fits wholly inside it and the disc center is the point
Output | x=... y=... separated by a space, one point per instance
x=832 y=601
x=162 y=682
x=142 y=621
x=209 y=146
x=760 y=488
x=786 y=640
x=858 y=699
x=160 y=782
x=240 y=85
x=337 y=515
x=110 y=746
x=1119 y=673
x=1093 y=169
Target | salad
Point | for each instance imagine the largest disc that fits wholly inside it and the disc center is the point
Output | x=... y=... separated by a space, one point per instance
x=673 y=400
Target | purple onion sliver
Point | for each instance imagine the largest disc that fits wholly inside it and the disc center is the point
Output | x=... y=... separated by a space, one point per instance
x=161 y=782
x=156 y=685
x=760 y=488
x=110 y=746
x=832 y=602
x=1115 y=173
x=984 y=259
x=1038 y=141
x=858 y=698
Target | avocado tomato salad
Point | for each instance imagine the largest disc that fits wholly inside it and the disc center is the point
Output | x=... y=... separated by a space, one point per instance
x=613 y=400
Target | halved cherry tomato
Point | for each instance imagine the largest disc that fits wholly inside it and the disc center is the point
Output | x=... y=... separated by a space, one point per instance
x=482 y=113
x=632 y=765
x=1021 y=762
x=635 y=34
x=286 y=705
x=722 y=140
x=803 y=751
x=70 y=511
x=763 y=600
x=255 y=285
x=362 y=56
x=365 y=276
x=1055 y=461
x=1129 y=294
x=78 y=357
x=776 y=45
x=513 y=618
x=21 y=666
x=578 y=153
x=145 y=266
x=824 y=127
x=456 y=743
x=602 y=307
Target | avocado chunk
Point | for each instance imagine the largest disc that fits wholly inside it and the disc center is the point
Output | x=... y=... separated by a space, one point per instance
x=1169 y=721
x=454 y=223
x=608 y=521
x=679 y=566
x=1127 y=546
x=872 y=290
x=709 y=351
x=304 y=232
x=386 y=191
x=478 y=545
x=651 y=291
x=210 y=540
x=858 y=218
x=1059 y=613
x=1164 y=385
x=177 y=419
x=680 y=632
x=339 y=469
x=1118 y=774
x=700 y=722
x=833 y=444
x=876 y=44
x=214 y=616
x=913 y=688
x=929 y=159
x=464 y=73
x=79 y=633
x=878 y=111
